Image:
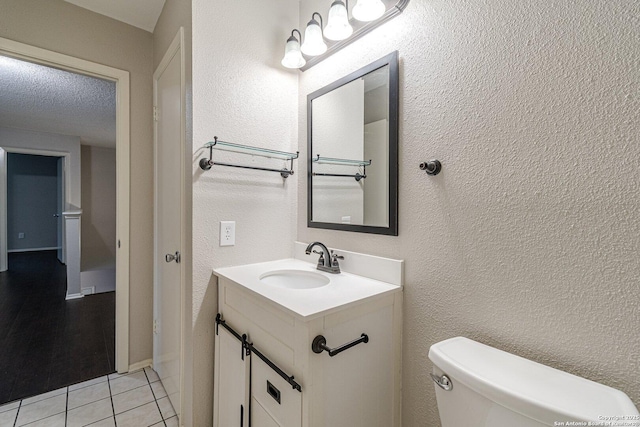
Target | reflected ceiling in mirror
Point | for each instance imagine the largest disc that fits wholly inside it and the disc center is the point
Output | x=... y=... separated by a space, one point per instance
x=353 y=151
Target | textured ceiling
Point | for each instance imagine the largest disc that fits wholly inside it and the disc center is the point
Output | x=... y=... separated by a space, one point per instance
x=139 y=13
x=46 y=99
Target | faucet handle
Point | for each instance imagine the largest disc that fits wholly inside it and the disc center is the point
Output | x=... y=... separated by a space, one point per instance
x=335 y=258
x=321 y=259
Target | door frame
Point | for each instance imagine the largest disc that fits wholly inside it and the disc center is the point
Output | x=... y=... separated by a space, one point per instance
x=123 y=170
x=4 y=191
x=175 y=48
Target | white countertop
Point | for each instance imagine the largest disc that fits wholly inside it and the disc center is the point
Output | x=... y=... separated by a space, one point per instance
x=344 y=289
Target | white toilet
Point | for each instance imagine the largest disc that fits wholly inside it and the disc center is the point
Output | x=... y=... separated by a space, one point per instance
x=481 y=386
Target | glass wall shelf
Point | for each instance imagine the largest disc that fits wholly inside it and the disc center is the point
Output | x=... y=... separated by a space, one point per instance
x=334 y=161
x=216 y=144
x=206 y=164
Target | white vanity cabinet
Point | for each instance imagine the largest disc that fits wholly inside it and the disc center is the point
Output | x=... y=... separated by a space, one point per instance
x=359 y=387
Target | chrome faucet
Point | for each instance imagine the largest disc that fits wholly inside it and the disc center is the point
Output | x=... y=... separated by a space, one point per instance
x=328 y=261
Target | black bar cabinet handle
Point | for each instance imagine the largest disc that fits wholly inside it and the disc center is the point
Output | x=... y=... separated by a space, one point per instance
x=248 y=349
x=319 y=345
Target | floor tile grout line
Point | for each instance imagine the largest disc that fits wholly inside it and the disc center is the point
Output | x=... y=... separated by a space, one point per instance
x=7 y=404
x=40 y=400
x=15 y=421
x=38 y=419
x=136 y=407
x=154 y=398
x=115 y=423
x=116 y=394
x=90 y=403
x=67 y=393
x=135 y=388
x=106 y=377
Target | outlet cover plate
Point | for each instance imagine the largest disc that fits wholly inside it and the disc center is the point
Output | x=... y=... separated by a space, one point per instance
x=227 y=233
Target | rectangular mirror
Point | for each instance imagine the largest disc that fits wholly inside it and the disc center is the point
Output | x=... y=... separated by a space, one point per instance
x=352 y=133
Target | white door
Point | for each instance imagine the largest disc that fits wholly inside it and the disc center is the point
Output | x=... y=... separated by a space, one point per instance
x=60 y=208
x=169 y=152
x=231 y=388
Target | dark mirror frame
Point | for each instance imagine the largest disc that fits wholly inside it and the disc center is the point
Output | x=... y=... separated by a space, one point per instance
x=394 y=97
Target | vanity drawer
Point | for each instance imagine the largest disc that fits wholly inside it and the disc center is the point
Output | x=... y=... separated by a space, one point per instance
x=273 y=401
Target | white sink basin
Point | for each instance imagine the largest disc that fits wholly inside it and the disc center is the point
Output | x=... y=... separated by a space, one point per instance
x=294 y=279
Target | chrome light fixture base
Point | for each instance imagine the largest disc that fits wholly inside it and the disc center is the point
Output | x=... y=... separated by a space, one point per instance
x=340 y=30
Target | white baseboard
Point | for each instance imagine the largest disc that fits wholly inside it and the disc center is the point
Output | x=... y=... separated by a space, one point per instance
x=53 y=248
x=89 y=290
x=73 y=296
x=139 y=365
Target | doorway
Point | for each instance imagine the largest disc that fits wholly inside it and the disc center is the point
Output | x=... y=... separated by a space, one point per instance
x=9 y=48
x=35 y=201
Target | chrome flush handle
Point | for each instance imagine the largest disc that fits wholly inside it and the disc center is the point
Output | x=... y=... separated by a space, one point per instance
x=444 y=382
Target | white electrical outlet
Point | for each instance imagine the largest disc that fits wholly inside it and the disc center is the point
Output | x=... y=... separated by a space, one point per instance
x=227 y=233
x=20 y=235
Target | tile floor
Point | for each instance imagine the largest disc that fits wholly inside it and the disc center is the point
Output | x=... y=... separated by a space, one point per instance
x=136 y=399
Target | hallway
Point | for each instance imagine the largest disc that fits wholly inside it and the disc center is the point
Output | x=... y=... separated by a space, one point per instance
x=46 y=342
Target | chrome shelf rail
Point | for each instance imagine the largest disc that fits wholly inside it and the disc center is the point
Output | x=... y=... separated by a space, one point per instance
x=206 y=164
x=343 y=162
x=334 y=161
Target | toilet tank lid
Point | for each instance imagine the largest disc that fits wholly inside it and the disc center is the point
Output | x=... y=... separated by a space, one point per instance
x=538 y=391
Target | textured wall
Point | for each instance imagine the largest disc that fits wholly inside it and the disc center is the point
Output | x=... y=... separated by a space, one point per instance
x=240 y=94
x=529 y=238
x=62 y=27
x=176 y=14
x=98 y=223
x=32 y=199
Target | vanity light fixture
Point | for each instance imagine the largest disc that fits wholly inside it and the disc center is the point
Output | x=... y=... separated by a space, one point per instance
x=292 y=55
x=368 y=10
x=338 y=27
x=321 y=39
x=313 y=42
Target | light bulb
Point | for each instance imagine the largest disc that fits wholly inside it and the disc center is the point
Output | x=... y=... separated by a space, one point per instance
x=338 y=27
x=292 y=55
x=313 y=43
x=368 y=10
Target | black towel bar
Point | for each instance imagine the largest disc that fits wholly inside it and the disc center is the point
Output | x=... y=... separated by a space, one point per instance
x=319 y=345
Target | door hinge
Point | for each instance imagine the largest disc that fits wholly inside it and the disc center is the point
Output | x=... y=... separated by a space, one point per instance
x=155 y=326
x=155 y=113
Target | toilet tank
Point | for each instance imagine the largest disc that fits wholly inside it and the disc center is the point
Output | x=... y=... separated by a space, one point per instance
x=493 y=388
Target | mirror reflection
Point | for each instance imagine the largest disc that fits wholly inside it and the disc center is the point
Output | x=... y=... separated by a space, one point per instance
x=350 y=141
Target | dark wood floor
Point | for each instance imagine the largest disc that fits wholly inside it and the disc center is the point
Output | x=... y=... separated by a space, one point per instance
x=47 y=342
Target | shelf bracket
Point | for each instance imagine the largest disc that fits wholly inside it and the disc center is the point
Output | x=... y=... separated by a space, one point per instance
x=206 y=164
